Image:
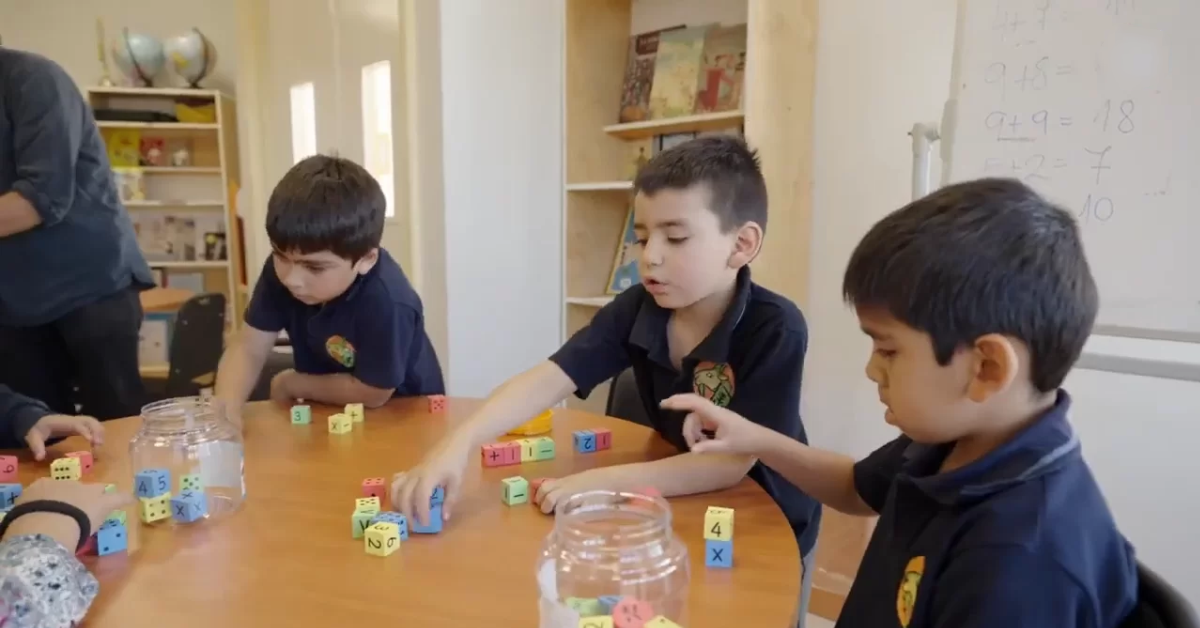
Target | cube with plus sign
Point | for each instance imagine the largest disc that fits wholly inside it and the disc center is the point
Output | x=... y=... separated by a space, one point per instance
x=355 y=412
x=8 y=495
x=189 y=506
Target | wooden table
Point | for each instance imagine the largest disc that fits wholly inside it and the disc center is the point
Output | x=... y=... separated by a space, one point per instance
x=288 y=559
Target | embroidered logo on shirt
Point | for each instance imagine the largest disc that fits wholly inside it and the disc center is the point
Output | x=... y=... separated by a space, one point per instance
x=341 y=350
x=714 y=382
x=906 y=597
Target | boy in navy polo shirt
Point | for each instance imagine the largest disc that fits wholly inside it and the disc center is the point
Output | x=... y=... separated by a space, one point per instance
x=978 y=300
x=695 y=322
x=356 y=325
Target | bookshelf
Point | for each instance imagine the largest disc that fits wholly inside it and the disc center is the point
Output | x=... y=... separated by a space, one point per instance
x=178 y=181
x=775 y=115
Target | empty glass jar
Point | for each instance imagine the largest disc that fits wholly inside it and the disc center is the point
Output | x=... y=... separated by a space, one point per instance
x=193 y=440
x=610 y=554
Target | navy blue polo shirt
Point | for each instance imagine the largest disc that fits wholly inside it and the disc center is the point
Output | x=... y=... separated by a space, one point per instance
x=375 y=330
x=1020 y=537
x=751 y=363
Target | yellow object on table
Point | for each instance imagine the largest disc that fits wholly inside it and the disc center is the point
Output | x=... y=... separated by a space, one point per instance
x=540 y=424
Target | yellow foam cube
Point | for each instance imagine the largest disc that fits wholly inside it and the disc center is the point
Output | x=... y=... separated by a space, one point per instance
x=340 y=424
x=355 y=412
x=539 y=424
x=596 y=621
x=718 y=523
x=661 y=622
x=368 y=504
x=153 y=509
x=382 y=539
x=529 y=449
x=66 y=469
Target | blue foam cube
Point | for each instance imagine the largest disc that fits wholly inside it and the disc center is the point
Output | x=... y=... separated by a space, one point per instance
x=608 y=602
x=189 y=506
x=438 y=497
x=152 y=482
x=435 y=522
x=394 y=517
x=111 y=538
x=718 y=553
x=585 y=441
x=8 y=495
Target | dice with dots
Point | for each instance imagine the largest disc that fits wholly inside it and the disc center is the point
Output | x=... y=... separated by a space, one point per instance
x=152 y=482
x=437 y=403
x=8 y=468
x=381 y=539
x=191 y=482
x=374 y=487
x=301 y=415
x=368 y=504
x=189 y=506
x=66 y=469
x=85 y=459
x=393 y=517
x=8 y=495
x=112 y=537
x=157 y=508
x=718 y=523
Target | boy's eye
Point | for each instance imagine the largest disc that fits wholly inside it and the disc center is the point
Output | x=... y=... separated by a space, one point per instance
x=640 y=241
x=885 y=353
x=677 y=240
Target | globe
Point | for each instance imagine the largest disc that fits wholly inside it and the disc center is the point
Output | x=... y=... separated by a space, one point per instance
x=192 y=56
x=139 y=57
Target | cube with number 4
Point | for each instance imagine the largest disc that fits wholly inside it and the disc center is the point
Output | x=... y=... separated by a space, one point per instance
x=718 y=523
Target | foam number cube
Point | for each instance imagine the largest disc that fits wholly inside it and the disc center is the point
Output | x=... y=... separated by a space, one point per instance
x=112 y=537
x=603 y=438
x=360 y=521
x=514 y=490
x=585 y=606
x=438 y=496
x=512 y=451
x=191 y=482
x=8 y=495
x=367 y=504
x=661 y=622
x=543 y=448
x=381 y=539
x=85 y=459
x=631 y=613
x=340 y=424
x=585 y=441
x=718 y=523
x=8 y=468
x=152 y=482
x=494 y=455
x=66 y=469
x=373 y=487
x=355 y=412
x=718 y=553
x=301 y=415
x=437 y=403
x=189 y=506
x=528 y=449
x=596 y=621
x=394 y=517
x=157 y=508
x=119 y=516
x=435 y=522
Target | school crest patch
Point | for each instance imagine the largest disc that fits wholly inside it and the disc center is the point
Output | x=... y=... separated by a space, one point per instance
x=714 y=382
x=341 y=350
x=906 y=597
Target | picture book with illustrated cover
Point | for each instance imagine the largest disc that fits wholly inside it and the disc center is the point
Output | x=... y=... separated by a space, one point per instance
x=677 y=72
x=639 y=74
x=723 y=70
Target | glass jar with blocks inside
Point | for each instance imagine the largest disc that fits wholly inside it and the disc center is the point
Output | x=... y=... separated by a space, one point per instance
x=187 y=462
x=613 y=559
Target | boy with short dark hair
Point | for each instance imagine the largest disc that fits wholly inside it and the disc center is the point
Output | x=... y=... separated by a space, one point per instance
x=356 y=325
x=696 y=322
x=978 y=299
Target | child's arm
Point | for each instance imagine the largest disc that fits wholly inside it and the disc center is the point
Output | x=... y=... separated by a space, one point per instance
x=30 y=423
x=335 y=389
x=240 y=367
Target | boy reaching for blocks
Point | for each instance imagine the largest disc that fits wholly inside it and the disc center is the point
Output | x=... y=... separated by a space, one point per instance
x=357 y=326
x=696 y=323
x=27 y=422
x=978 y=300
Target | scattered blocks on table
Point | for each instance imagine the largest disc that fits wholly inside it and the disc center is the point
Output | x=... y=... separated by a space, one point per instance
x=373 y=487
x=381 y=539
x=539 y=424
x=438 y=497
x=152 y=482
x=718 y=553
x=718 y=523
x=85 y=459
x=156 y=508
x=189 y=506
x=585 y=441
x=608 y=602
x=631 y=612
x=301 y=415
x=596 y=621
x=394 y=517
x=437 y=403
x=112 y=537
x=8 y=495
x=355 y=412
x=543 y=448
x=502 y=454
x=117 y=515
x=360 y=521
x=340 y=424
x=603 y=438
x=8 y=468
x=435 y=522
x=66 y=469
x=585 y=606
x=661 y=622
x=191 y=482
x=515 y=490
x=368 y=504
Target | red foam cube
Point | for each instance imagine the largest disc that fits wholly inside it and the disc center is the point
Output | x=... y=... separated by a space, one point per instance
x=494 y=455
x=8 y=469
x=603 y=438
x=85 y=460
x=437 y=403
x=512 y=449
x=631 y=613
x=89 y=547
x=374 y=487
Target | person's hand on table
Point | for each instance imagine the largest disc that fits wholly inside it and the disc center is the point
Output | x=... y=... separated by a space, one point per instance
x=90 y=498
x=54 y=426
x=443 y=466
x=279 y=387
x=554 y=491
x=732 y=433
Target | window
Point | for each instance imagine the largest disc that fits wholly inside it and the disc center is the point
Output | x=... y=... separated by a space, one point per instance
x=377 y=128
x=304 y=122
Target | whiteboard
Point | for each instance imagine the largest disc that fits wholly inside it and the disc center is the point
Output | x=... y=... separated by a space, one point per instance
x=1096 y=104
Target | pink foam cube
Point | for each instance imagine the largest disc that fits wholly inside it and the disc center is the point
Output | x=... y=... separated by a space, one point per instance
x=374 y=487
x=8 y=469
x=631 y=613
x=603 y=438
x=85 y=460
x=494 y=455
x=437 y=403
x=513 y=451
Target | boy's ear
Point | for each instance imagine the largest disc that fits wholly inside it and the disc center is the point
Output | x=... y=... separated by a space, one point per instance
x=367 y=262
x=996 y=366
x=746 y=244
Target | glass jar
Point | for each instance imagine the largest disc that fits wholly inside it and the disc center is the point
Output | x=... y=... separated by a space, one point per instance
x=612 y=553
x=192 y=438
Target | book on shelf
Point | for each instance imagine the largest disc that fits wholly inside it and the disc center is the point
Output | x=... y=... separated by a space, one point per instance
x=169 y=237
x=625 y=273
x=639 y=75
x=677 y=72
x=723 y=70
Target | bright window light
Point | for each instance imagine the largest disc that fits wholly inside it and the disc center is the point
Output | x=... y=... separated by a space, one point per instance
x=377 y=128
x=304 y=122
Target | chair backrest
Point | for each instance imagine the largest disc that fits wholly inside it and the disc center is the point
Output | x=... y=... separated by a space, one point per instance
x=1159 y=604
x=196 y=344
x=624 y=401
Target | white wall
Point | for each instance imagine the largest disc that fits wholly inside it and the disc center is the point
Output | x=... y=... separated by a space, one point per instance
x=502 y=93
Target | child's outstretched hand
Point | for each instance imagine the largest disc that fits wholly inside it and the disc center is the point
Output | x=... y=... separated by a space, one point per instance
x=60 y=425
x=732 y=433
x=444 y=467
